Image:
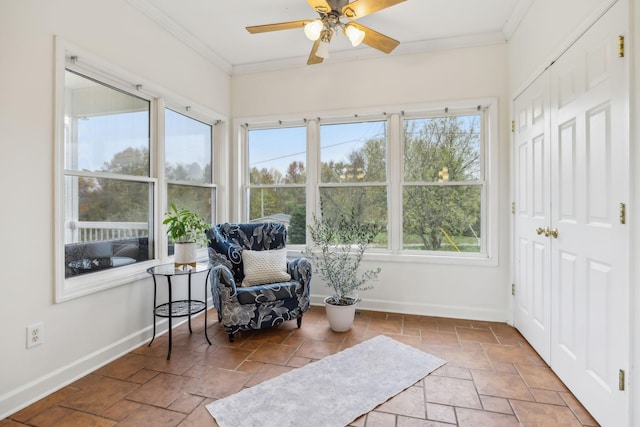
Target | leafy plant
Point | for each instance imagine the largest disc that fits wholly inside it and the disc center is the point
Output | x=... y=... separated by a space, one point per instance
x=185 y=226
x=340 y=245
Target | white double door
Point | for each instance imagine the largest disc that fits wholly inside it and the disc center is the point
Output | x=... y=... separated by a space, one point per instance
x=571 y=246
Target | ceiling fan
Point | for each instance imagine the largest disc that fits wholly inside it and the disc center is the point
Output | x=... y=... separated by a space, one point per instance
x=321 y=30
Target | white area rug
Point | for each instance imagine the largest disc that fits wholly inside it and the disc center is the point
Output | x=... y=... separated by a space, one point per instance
x=333 y=391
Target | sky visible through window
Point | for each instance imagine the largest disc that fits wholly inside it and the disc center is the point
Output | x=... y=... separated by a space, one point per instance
x=277 y=148
x=100 y=138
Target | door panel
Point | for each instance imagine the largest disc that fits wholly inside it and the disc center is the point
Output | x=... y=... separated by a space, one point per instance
x=567 y=339
x=589 y=258
x=532 y=253
x=599 y=166
x=571 y=175
x=566 y=185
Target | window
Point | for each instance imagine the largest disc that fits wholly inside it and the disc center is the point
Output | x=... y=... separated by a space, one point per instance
x=108 y=191
x=188 y=160
x=353 y=176
x=420 y=178
x=121 y=159
x=277 y=178
x=443 y=184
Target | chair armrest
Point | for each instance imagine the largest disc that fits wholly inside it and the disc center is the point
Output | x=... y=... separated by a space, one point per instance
x=300 y=270
x=221 y=276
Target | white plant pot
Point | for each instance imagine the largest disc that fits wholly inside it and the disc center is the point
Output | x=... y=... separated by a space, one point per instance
x=185 y=253
x=340 y=316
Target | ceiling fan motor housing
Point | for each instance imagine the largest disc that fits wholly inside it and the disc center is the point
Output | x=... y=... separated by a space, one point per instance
x=335 y=5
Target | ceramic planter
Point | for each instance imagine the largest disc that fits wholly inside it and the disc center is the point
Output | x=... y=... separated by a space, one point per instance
x=340 y=316
x=185 y=253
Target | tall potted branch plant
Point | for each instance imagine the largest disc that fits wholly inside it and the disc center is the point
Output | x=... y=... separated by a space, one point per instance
x=339 y=246
x=186 y=229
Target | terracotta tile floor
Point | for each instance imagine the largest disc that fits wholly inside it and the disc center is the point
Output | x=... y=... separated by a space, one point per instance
x=492 y=376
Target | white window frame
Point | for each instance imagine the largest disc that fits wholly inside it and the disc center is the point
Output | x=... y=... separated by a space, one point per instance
x=213 y=188
x=481 y=182
x=395 y=176
x=73 y=57
x=246 y=128
x=386 y=183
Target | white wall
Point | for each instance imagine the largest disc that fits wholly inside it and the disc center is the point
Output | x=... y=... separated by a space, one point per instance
x=381 y=85
x=82 y=333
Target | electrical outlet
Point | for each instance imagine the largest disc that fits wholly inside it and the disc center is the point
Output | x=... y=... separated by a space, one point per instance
x=35 y=334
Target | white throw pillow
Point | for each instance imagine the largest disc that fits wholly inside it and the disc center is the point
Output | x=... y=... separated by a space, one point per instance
x=262 y=267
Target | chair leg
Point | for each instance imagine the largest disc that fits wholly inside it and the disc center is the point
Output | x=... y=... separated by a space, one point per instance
x=232 y=337
x=299 y=321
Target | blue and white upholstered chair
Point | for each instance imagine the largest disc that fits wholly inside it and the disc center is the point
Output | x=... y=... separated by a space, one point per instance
x=253 y=284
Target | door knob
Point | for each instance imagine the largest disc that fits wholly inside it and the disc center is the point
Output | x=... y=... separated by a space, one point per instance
x=547 y=232
x=554 y=233
x=539 y=230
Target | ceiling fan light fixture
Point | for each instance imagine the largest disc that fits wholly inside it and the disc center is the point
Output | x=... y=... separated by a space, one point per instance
x=323 y=44
x=355 y=35
x=323 y=50
x=313 y=29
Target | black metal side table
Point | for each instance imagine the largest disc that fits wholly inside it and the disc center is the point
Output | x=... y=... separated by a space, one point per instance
x=178 y=308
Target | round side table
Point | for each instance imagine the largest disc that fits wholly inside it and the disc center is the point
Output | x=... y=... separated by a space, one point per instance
x=180 y=308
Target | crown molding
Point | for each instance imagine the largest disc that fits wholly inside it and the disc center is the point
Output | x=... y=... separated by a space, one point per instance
x=410 y=48
x=180 y=33
x=519 y=12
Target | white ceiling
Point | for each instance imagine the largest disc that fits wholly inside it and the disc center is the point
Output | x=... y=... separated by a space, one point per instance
x=216 y=28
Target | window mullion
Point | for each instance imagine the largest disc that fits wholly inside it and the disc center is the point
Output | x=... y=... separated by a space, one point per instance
x=313 y=170
x=158 y=170
x=394 y=179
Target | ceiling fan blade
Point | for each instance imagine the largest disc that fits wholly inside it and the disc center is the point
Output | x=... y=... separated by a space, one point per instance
x=313 y=59
x=277 y=27
x=377 y=40
x=320 y=6
x=360 y=8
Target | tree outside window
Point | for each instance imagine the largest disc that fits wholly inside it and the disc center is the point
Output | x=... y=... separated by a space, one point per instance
x=441 y=181
x=277 y=178
x=443 y=185
x=353 y=169
x=108 y=191
x=188 y=146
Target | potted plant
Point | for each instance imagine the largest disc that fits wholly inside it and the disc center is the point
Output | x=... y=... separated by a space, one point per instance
x=339 y=247
x=186 y=229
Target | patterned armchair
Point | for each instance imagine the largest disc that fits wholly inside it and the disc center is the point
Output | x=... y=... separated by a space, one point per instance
x=250 y=290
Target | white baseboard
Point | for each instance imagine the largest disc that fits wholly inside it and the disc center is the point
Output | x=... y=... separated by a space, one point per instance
x=27 y=394
x=456 y=312
x=35 y=390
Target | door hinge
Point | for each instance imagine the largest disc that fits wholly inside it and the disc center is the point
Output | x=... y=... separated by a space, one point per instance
x=513 y=289
x=621 y=380
x=513 y=126
x=623 y=213
x=513 y=207
x=620 y=46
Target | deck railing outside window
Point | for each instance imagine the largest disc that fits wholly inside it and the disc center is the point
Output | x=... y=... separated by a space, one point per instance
x=91 y=231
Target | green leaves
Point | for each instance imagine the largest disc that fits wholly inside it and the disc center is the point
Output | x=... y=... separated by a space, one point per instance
x=185 y=226
x=340 y=244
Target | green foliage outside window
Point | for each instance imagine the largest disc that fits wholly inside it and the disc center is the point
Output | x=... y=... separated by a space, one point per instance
x=114 y=200
x=442 y=188
x=442 y=196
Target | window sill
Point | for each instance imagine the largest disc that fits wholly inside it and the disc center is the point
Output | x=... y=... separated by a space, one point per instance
x=75 y=287
x=446 y=258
